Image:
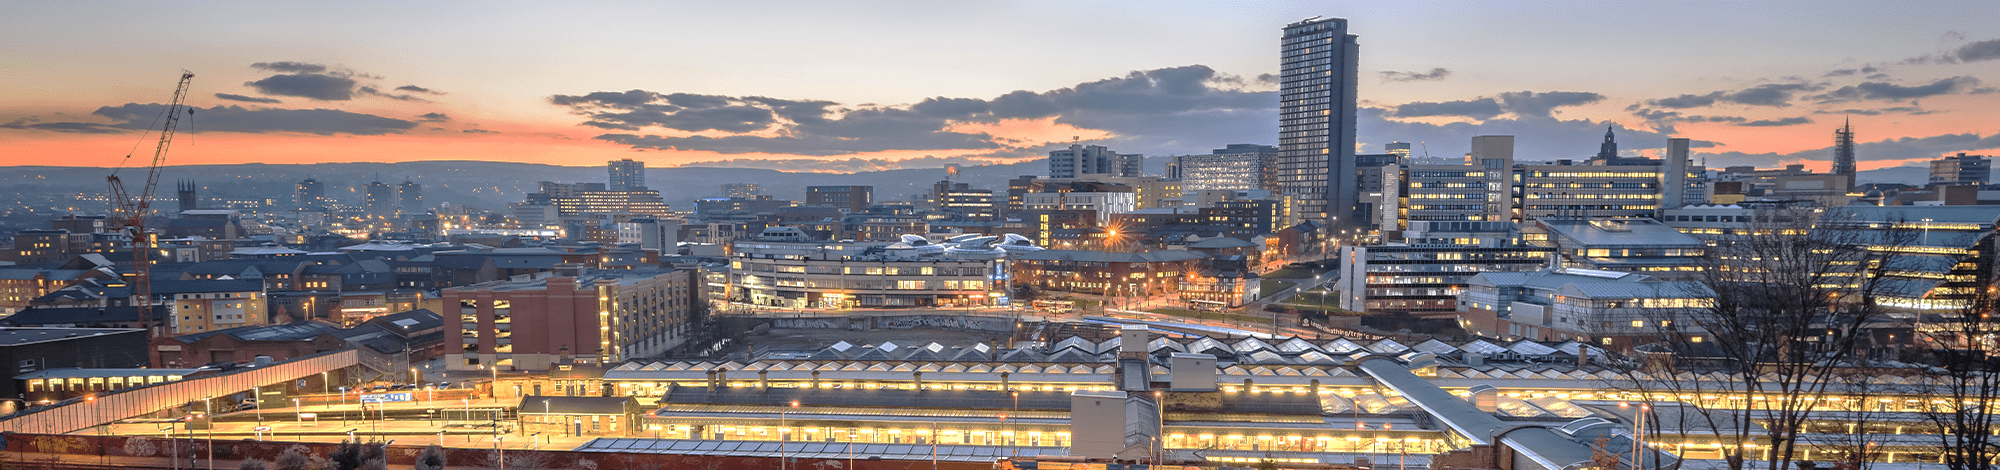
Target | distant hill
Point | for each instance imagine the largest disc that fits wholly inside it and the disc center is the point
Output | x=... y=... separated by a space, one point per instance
x=1910 y=175
x=494 y=184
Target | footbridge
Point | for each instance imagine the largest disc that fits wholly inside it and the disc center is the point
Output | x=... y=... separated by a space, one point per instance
x=1513 y=445
x=84 y=412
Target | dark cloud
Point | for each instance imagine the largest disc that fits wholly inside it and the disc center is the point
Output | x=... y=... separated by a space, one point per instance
x=433 y=117
x=290 y=67
x=324 y=83
x=849 y=165
x=257 y=121
x=372 y=91
x=1435 y=74
x=1536 y=137
x=306 y=85
x=1665 y=120
x=1886 y=91
x=1841 y=73
x=1686 y=101
x=1162 y=107
x=1905 y=148
x=1769 y=94
x=1978 y=51
x=1790 y=121
x=1911 y=110
x=1481 y=109
x=479 y=131
x=251 y=99
x=1520 y=103
x=1532 y=104
x=69 y=127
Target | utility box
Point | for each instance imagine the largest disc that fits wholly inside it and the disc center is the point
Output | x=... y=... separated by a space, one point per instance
x=1132 y=341
x=1190 y=372
x=1096 y=423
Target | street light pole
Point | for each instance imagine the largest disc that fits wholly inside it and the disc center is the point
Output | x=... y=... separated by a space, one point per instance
x=783 y=456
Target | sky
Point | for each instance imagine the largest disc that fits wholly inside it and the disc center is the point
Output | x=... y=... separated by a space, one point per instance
x=856 y=86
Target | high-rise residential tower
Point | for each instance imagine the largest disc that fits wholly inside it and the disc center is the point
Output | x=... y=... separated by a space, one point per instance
x=1079 y=160
x=628 y=175
x=381 y=199
x=1316 y=113
x=412 y=195
x=311 y=195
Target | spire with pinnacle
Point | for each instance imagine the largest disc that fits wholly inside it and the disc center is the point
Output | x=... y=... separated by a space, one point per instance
x=1843 y=151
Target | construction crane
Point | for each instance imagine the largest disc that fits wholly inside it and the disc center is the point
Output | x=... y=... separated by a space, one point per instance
x=131 y=208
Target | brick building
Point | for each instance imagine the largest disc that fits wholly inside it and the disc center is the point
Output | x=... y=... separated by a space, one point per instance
x=589 y=317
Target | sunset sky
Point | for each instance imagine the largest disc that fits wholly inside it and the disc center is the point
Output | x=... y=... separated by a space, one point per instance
x=846 y=86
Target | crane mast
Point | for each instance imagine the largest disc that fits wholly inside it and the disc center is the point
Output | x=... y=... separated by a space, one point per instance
x=131 y=208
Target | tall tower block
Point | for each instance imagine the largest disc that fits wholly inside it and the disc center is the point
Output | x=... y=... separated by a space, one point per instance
x=1318 y=65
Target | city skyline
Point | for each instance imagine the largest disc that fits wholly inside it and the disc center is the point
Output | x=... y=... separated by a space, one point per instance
x=515 y=83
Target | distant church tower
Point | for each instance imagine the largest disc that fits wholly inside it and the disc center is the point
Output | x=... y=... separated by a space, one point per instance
x=188 y=201
x=1608 y=150
x=1843 y=152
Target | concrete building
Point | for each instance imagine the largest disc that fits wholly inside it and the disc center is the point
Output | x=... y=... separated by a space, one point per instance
x=741 y=190
x=311 y=196
x=1319 y=70
x=961 y=201
x=651 y=234
x=1106 y=272
x=198 y=306
x=411 y=194
x=786 y=268
x=1104 y=203
x=752 y=204
x=1608 y=308
x=1633 y=245
x=846 y=198
x=627 y=175
x=1426 y=272
x=1238 y=166
x=596 y=316
x=28 y=350
x=380 y=199
x=576 y=199
x=1079 y=160
x=1961 y=169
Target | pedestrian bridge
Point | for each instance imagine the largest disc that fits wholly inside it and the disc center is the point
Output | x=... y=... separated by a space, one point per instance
x=82 y=413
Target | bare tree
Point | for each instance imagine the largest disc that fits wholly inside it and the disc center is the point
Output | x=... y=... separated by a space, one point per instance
x=432 y=458
x=1963 y=379
x=293 y=459
x=1788 y=297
